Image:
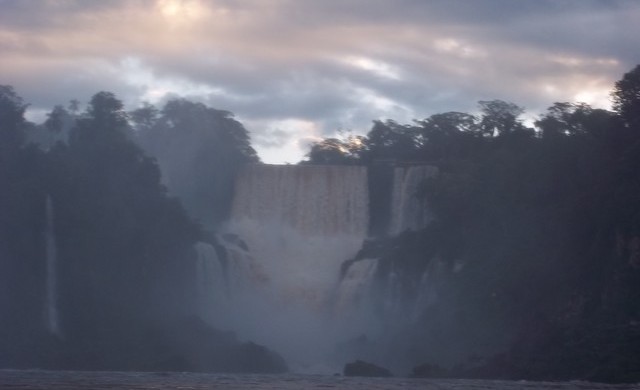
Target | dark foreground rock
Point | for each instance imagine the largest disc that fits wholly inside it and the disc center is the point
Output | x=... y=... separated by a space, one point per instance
x=196 y=346
x=360 y=368
x=596 y=353
x=188 y=344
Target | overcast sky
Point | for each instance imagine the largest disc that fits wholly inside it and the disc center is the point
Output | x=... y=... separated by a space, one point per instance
x=296 y=70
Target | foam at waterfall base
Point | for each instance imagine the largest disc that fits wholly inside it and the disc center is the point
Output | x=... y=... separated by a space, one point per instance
x=287 y=301
x=293 y=228
x=299 y=224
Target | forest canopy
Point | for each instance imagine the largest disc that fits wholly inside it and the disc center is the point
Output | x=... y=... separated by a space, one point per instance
x=545 y=220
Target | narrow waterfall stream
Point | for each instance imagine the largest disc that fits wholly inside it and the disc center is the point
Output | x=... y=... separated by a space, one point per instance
x=51 y=313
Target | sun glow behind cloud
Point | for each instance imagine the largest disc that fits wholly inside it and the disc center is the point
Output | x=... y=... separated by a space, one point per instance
x=286 y=141
x=597 y=97
x=182 y=12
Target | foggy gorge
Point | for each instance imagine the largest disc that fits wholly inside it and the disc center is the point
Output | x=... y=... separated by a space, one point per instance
x=459 y=246
x=304 y=194
x=288 y=285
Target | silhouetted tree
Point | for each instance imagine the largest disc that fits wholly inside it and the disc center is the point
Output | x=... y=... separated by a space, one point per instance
x=145 y=117
x=500 y=117
x=73 y=106
x=390 y=140
x=21 y=216
x=123 y=244
x=200 y=150
x=337 y=151
x=564 y=119
x=57 y=126
x=448 y=136
x=12 y=121
x=626 y=97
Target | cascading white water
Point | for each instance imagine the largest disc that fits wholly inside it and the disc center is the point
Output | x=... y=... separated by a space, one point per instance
x=316 y=200
x=51 y=314
x=429 y=287
x=210 y=278
x=409 y=211
x=292 y=227
x=425 y=293
x=300 y=223
x=354 y=295
x=224 y=286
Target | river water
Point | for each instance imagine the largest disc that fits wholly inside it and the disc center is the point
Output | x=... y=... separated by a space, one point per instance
x=71 y=380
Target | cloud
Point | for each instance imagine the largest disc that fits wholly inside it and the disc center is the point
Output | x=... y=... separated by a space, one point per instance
x=296 y=70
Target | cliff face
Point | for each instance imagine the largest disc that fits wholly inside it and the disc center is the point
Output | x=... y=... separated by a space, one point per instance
x=355 y=258
x=295 y=226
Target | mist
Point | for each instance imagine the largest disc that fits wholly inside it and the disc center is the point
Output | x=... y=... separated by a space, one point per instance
x=441 y=189
x=459 y=245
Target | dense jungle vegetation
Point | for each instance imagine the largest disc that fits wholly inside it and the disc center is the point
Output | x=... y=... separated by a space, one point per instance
x=544 y=222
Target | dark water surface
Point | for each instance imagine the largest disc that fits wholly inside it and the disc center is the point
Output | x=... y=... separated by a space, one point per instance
x=70 y=380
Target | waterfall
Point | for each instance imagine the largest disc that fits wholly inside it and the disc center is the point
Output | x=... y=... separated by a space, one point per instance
x=51 y=314
x=301 y=223
x=406 y=297
x=210 y=278
x=408 y=210
x=291 y=229
x=429 y=287
x=314 y=200
x=354 y=295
